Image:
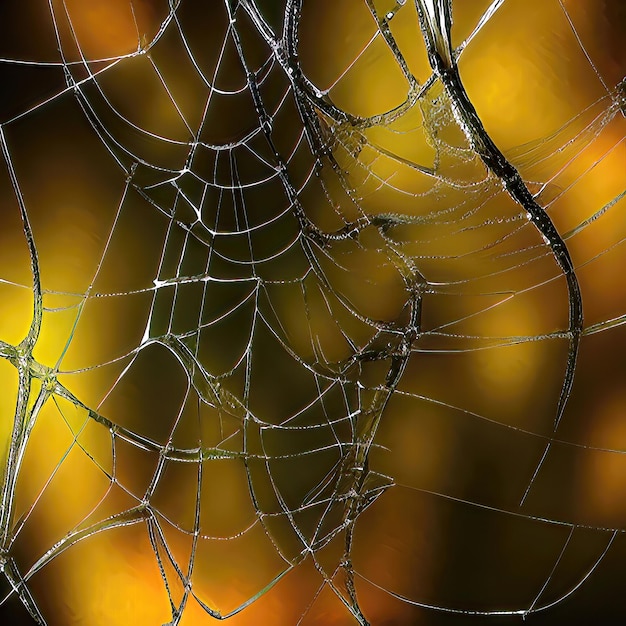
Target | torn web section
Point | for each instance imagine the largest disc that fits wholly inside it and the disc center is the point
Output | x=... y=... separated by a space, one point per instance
x=575 y=170
x=461 y=242
x=537 y=336
x=384 y=275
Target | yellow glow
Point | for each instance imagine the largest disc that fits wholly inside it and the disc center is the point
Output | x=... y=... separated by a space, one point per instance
x=522 y=95
x=603 y=476
x=110 y=28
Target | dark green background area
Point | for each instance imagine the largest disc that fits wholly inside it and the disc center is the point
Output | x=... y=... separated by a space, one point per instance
x=600 y=599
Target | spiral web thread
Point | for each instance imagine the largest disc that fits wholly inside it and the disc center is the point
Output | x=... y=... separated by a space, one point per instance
x=275 y=244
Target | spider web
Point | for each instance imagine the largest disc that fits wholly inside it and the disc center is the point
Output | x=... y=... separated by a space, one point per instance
x=300 y=338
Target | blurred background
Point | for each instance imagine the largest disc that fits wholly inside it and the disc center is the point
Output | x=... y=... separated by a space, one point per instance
x=162 y=230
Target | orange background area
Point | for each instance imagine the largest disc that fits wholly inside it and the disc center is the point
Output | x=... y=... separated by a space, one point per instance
x=475 y=407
